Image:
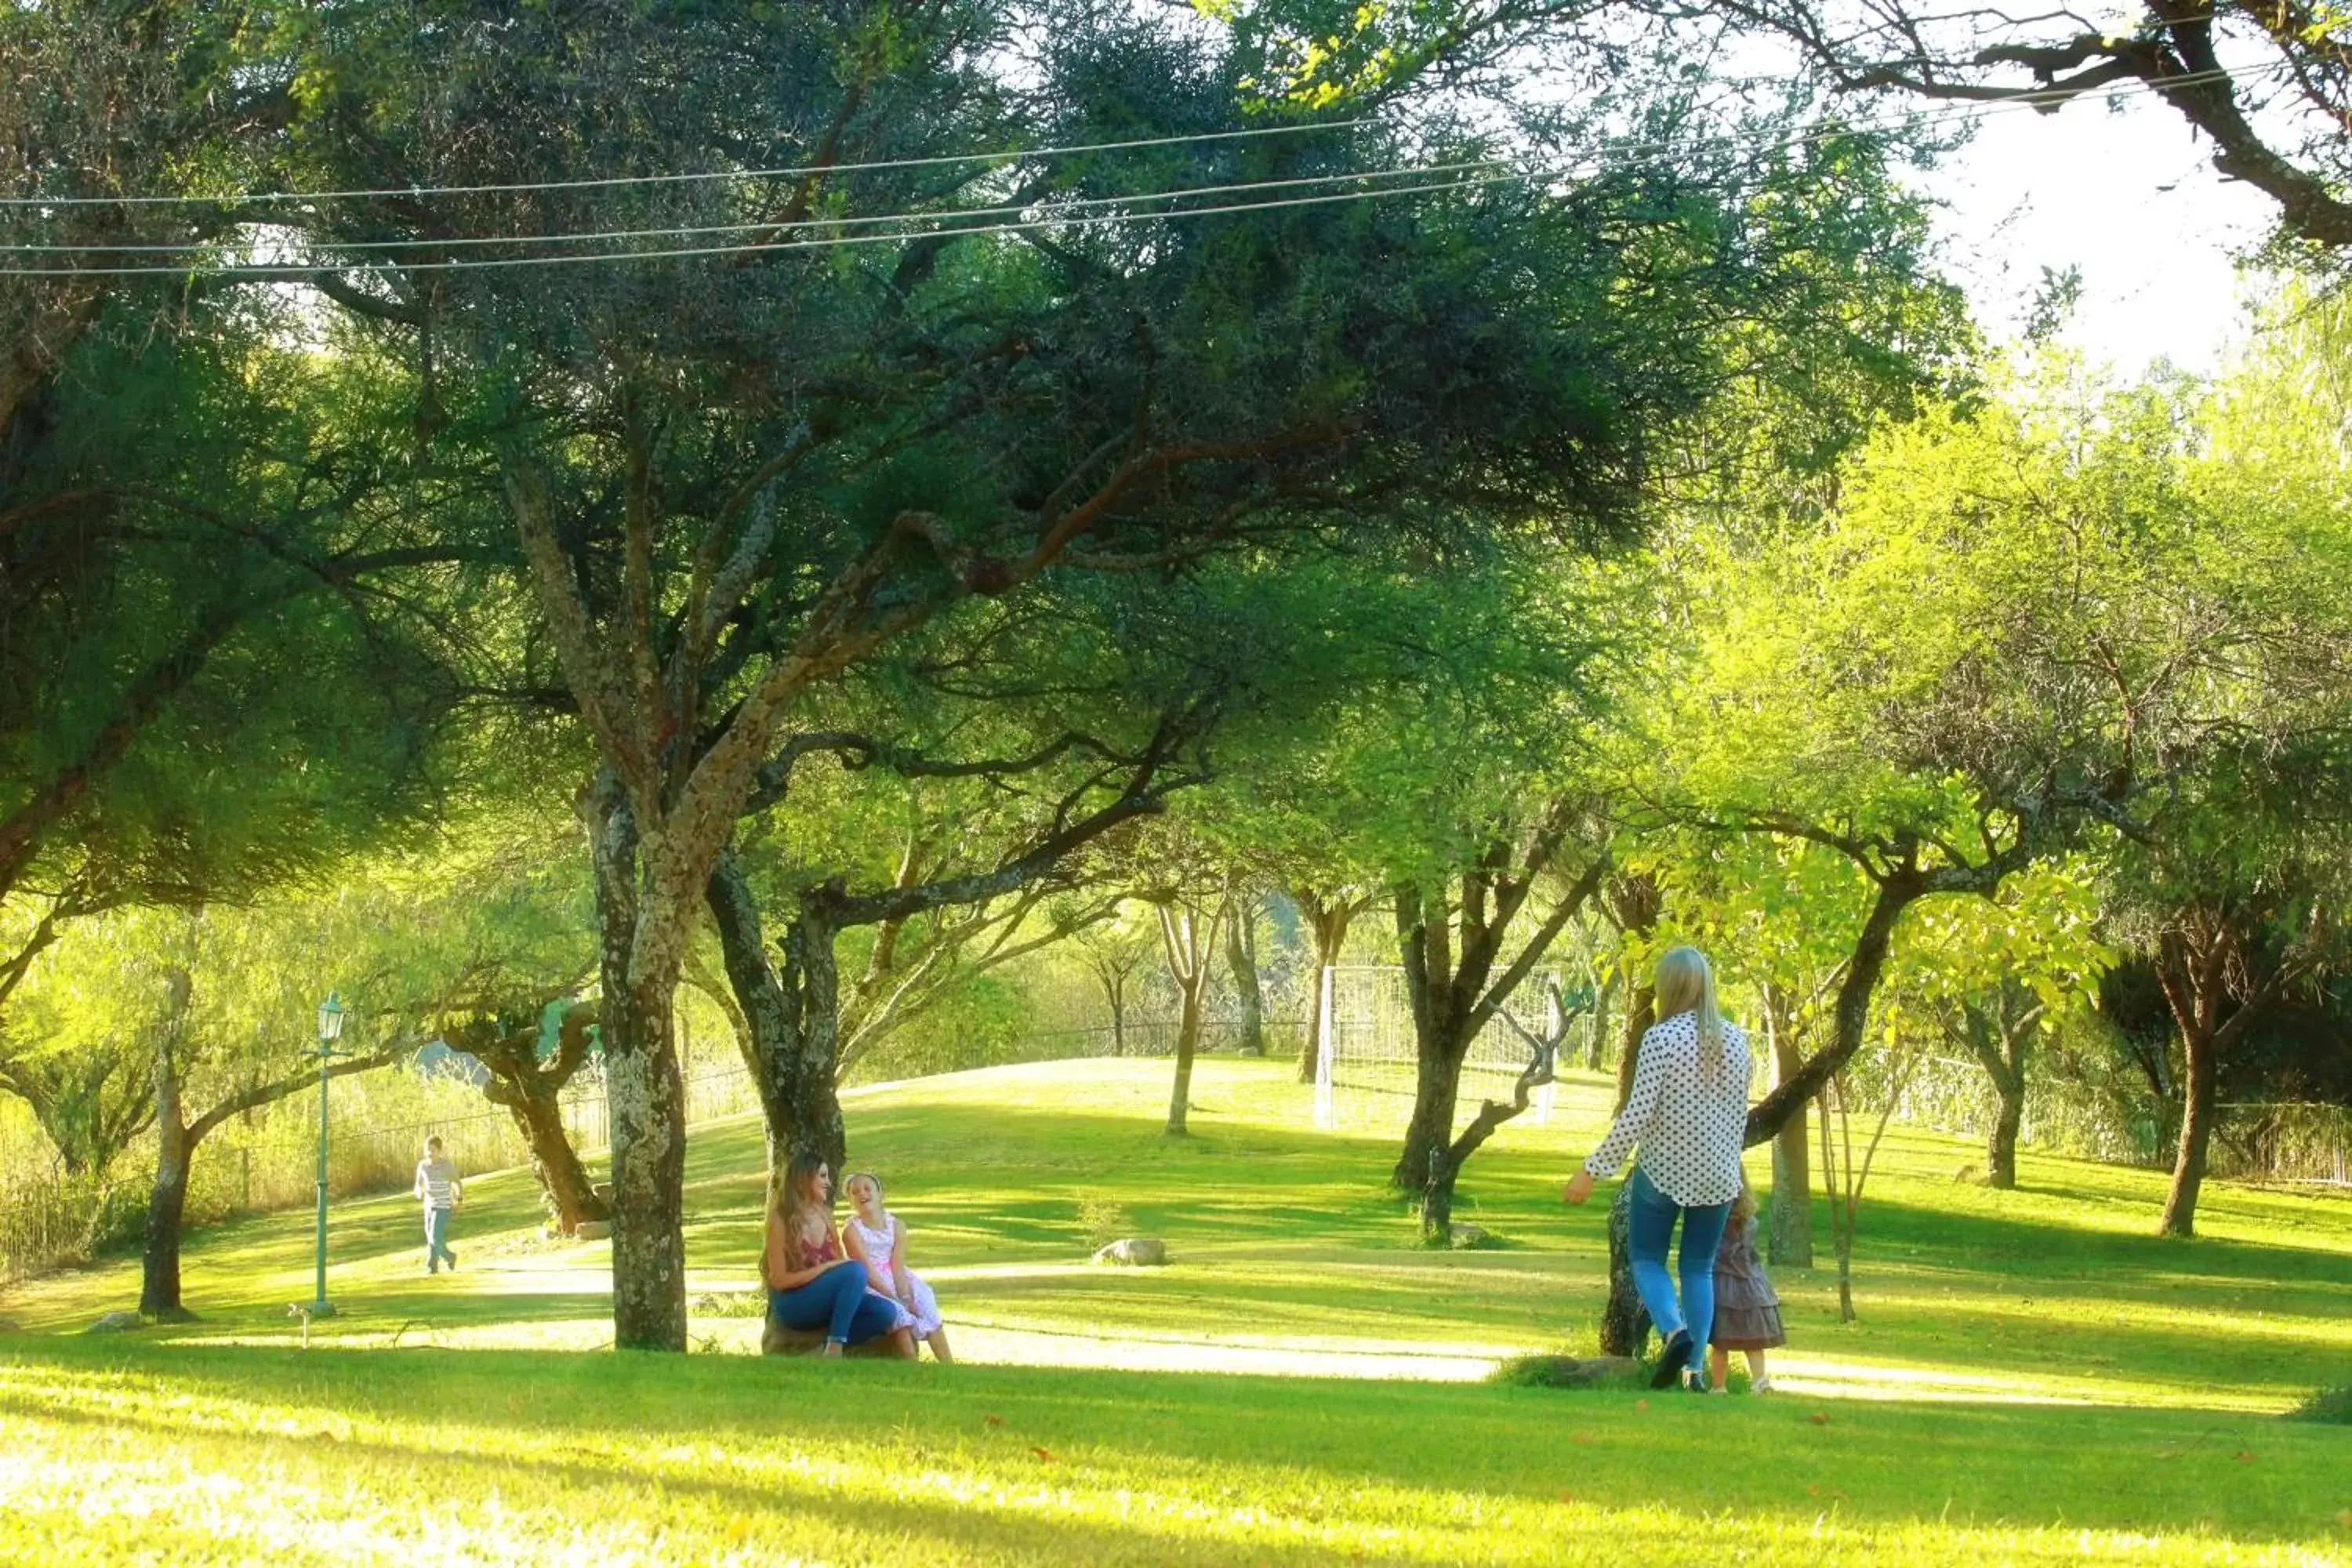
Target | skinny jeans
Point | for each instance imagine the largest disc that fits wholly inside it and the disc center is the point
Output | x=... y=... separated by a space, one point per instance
x=1650 y=1227
x=837 y=1301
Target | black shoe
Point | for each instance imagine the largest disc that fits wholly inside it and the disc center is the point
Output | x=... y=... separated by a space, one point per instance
x=1672 y=1358
x=450 y=1258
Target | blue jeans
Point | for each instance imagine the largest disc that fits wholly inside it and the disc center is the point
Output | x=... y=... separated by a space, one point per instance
x=436 y=1239
x=1650 y=1226
x=837 y=1301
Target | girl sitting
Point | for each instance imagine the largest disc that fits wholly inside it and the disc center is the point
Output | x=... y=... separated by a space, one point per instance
x=809 y=1283
x=877 y=1238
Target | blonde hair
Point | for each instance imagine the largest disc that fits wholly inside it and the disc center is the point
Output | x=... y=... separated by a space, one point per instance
x=1687 y=984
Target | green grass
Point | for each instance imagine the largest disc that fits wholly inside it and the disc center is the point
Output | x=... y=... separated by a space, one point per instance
x=2034 y=1376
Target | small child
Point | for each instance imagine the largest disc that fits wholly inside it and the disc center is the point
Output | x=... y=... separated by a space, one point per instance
x=437 y=1184
x=877 y=1238
x=1746 y=1310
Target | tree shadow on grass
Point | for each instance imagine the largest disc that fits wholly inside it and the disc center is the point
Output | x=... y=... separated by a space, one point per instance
x=2139 y=1471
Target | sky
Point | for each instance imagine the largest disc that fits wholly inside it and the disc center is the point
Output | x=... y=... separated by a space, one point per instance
x=2129 y=195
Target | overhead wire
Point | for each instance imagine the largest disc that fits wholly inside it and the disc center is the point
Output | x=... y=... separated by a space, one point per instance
x=612 y=181
x=293 y=272
x=1615 y=154
x=771 y=226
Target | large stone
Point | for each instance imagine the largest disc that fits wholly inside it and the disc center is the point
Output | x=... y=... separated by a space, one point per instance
x=1135 y=1252
x=116 y=1322
x=592 y=1230
x=777 y=1340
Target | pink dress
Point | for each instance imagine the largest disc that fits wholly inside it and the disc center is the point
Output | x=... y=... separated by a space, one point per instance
x=922 y=1314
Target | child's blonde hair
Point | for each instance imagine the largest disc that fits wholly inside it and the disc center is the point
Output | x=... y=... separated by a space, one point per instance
x=1685 y=984
x=1743 y=1208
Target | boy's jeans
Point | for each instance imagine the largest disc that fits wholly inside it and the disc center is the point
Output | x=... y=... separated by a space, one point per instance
x=1650 y=1226
x=436 y=1239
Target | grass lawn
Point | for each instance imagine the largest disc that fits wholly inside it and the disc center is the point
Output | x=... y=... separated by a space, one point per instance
x=2034 y=1376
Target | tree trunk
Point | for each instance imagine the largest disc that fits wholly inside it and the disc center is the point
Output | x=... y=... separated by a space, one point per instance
x=159 y=1278
x=1635 y=902
x=1241 y=957
x=1329 y=923
x=792 y=1018
x=2001 y=1144
x=1596 y=1053
x=1115 y=993
x=1437 y=1086
x=813 y=1102
x=539 y=1119
x=1437 y=1199
x=1864 y=966
x=2197 y=1114
x=1188 y=1037
x=1624 y=1322
x=645 y=1093
x=648 y=1100
x=167 y=1200
x=1186 y=948
x=1788 y=1238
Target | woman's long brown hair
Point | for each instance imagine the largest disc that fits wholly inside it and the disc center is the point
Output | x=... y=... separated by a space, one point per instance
x=793 y=1202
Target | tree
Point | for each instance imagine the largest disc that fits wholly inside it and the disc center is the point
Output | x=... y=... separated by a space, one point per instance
x=1996 y=978
x=1188 y=940
x=2267 y=84
x=528 y=1081
x=736 y=478
x=1240 y=963
x=220 y=1006
x=792 y=1011
x=1543 y=1060
x=1111 y=952
x=1328 y=912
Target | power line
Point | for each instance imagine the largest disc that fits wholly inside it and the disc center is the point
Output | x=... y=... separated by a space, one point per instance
x=758 y=226
x=2029 y=98
x=1011 y=154
x=1617 y=155
x=291 y=273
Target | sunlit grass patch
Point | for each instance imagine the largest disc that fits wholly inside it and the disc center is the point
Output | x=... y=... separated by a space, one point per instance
x=2034 y=1377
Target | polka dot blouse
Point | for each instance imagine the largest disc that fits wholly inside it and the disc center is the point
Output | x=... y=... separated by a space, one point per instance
x=1690 y=1128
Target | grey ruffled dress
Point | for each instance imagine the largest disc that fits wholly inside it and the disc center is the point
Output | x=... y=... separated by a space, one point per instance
x=1747 y=1308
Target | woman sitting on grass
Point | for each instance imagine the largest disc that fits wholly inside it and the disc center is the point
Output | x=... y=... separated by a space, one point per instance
x=1689 y=1110
x=809 y=1283
x=877 y=1238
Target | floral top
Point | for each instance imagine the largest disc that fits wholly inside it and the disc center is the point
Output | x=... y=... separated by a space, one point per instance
x=1690 y=1128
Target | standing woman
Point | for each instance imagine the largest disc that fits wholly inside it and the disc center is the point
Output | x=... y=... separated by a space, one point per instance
x=1689 y=1111
x=809 y=1283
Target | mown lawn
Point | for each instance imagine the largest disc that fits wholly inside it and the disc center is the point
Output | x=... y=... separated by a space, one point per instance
x=2034 y=1376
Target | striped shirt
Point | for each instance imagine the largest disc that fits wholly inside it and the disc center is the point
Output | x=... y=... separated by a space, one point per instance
x=1691 y=1127
x=438 y=1183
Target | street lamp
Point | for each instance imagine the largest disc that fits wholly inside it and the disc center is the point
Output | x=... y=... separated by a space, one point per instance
x=330 y=1029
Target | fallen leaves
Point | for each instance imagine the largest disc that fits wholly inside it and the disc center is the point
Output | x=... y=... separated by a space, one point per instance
x=1819 y=1419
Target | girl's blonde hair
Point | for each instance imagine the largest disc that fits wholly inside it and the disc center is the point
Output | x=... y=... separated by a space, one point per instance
x=1743 y=1208
x=1687 y=984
